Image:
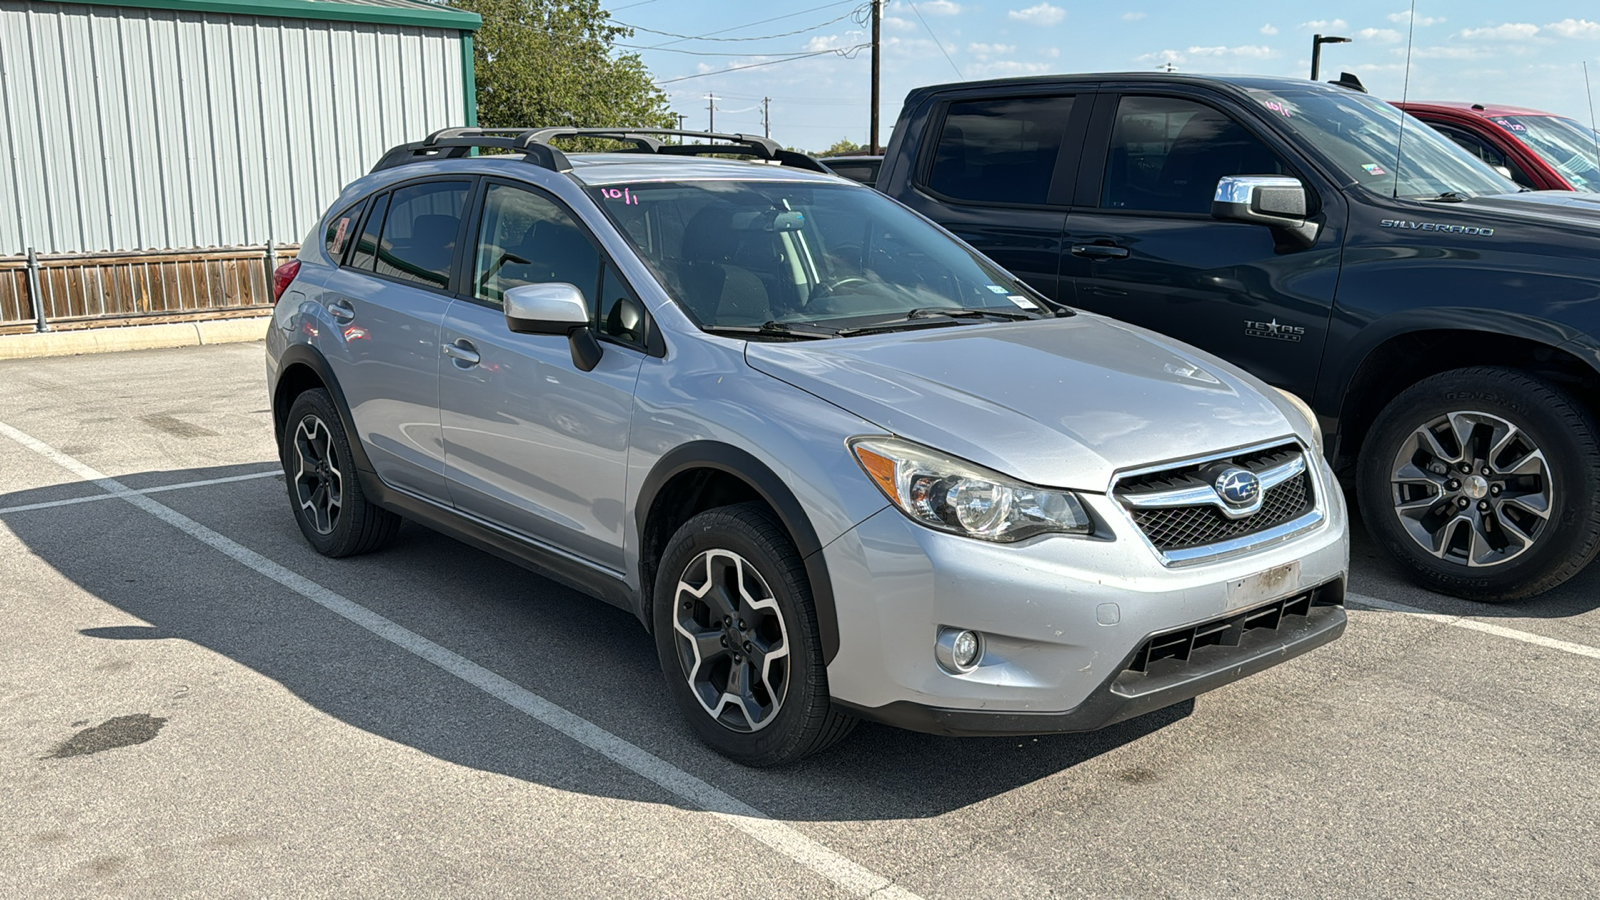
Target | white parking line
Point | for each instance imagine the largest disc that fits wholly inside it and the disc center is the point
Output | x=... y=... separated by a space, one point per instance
x=154 y=490
x=1526 y=637
x=779 y=836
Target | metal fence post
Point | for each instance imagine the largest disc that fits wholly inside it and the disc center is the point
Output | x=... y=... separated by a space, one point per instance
x=35 y=296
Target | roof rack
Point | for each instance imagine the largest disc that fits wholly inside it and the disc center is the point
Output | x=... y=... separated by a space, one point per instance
x=534 y=144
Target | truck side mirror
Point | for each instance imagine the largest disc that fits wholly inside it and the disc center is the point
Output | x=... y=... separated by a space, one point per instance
x=554 y=308
x=1273 y=200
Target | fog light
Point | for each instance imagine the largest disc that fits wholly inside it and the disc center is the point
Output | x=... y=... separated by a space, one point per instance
x=958 y=650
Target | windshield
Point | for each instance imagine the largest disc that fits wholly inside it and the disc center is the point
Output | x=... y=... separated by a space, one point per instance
x=748 y=253
x=1566 y=145
x=1360 y=136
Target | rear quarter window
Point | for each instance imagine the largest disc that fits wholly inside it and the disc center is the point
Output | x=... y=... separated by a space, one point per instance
x=341 y=233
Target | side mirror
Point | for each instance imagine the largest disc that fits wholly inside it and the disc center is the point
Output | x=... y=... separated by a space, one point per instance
x=554 y=308
x=1273 y=200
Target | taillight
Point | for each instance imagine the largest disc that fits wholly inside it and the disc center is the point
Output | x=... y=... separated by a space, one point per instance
x=281 y=277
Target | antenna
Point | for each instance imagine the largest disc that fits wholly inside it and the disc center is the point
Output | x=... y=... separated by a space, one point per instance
x=1592 y=129
x=1405 y=91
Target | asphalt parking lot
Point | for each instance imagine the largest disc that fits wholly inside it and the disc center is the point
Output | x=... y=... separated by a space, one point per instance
x=194 y=702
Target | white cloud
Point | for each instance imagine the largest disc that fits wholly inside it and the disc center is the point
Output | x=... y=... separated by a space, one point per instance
x=1325 y=25
x=1381 y=35
x=1247 y=51
x=1456 y=52
x=940 y=8
x=1510 y=31
x=1165 y=56
x=834 y=41
x=982 y=50
x=1132 y=16
x=895 y=23
x=1575 y=28
x=1003 y=67
x=1043 y=14
x=1269 y=28
x=1404 y=16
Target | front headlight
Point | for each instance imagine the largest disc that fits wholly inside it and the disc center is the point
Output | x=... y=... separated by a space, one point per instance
x=948 y=494
x=1311 y=417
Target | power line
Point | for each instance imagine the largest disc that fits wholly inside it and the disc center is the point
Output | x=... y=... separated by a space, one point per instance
x=744 y=55
x=764 y=37
x=762 y=22
x=935 y=39
x=841 y=51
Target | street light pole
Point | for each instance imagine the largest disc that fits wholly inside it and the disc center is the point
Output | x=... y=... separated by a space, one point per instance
x=877 y=24
x=1317 y=41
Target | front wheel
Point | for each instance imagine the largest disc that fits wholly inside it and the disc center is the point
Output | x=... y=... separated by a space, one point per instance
x=737 y=636
x=1484 y=483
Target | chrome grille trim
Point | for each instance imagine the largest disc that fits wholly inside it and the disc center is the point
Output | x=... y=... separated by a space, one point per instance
x=1178 y=482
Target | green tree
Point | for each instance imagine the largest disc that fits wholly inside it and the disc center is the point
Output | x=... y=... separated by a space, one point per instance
x=551 y=62
x=844 y=147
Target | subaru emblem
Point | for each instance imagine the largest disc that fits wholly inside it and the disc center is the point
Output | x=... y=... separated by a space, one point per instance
x=1237 y=487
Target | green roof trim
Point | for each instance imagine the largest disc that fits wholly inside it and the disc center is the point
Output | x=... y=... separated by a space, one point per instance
x=381 y=12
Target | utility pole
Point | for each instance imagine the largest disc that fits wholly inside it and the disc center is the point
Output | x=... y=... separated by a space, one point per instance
x=877 y=27
x=681 y=118
x=711 y=110
x=766 y=117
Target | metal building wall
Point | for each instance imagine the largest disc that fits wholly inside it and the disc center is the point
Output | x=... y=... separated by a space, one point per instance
x=131 y=129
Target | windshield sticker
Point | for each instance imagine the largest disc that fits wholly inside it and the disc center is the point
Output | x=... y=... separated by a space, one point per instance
x=1509 y=125
x=1373 y=169
x=1022 y=301
x=998 y=289
x=1279 y=107
x=626 y=196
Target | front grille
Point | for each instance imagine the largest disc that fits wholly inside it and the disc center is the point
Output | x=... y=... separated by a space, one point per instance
x=1186 y=527
x=1183 y=644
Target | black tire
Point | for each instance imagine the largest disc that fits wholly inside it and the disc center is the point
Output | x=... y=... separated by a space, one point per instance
x=803 y=721
x=314 y=430
x=1549 y=420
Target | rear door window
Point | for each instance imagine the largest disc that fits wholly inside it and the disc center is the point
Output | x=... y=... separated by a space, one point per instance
x=999 y=150
x=418 y=238
x=1167 y=155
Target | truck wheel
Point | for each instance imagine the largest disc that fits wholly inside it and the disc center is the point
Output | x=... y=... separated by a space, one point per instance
x=1484 y=483
x=737 y=636
x=324 y=492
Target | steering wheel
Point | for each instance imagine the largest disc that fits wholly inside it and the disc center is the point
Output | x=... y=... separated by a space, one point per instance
x=831 y=287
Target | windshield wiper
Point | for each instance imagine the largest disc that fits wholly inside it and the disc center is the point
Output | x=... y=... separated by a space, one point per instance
x=968 y=312
x=1446 y=197
x=796 y=330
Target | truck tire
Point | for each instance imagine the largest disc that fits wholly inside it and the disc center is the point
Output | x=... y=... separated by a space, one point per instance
x=1484 y=483
x=737 y=636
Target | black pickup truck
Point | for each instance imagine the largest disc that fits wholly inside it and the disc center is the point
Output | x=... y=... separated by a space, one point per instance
x=1442 y=326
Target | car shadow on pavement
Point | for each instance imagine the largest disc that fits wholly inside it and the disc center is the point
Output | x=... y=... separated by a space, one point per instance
x=592 y=659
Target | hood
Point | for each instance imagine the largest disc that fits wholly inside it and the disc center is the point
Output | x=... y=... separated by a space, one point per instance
x=1060 y=403
x=1578 y=208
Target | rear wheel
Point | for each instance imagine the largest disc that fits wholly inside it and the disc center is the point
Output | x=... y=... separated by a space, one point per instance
x=1484 y=483
x=324 y=492
x=737 y=636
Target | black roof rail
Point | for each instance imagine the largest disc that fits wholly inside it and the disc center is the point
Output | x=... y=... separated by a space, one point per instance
x=534 y=144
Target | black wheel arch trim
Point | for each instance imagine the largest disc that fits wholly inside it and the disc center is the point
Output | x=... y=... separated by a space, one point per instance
x=766 y=483
x=312 y=358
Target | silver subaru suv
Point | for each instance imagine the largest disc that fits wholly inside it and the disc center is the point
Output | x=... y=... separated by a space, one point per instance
x=840 y=464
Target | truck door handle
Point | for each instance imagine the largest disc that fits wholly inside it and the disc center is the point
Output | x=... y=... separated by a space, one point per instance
x=462 y=351
x=342 y=311
x=1100 y=251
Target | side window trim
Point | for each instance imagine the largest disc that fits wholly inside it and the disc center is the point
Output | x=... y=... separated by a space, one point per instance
x=1068 y=153
x=447 y=291
x=1092 y=175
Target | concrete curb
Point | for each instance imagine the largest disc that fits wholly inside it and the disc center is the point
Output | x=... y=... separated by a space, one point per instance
x=133 y=337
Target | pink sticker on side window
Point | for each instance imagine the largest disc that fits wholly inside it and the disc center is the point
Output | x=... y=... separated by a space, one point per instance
x=338 y=236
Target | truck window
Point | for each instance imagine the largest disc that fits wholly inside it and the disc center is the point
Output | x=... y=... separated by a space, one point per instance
x=999 y=150
x=1167 y=154
x=1483 y=150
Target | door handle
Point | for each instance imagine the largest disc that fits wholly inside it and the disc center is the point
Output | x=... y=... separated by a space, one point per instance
x=1100 y=251
x=341 y=311
x=462 y=351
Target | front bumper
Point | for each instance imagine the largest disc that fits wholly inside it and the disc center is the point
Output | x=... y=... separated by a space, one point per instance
x=1065 y=621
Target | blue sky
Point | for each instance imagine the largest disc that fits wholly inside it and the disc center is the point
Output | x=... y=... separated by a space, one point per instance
x=1527 y=54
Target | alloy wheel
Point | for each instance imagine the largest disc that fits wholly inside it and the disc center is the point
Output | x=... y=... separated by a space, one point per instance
x=318 y=483
x=733 y=646
x=1472 y=488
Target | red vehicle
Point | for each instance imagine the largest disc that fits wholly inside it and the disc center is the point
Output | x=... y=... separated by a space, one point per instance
x=1538 y=150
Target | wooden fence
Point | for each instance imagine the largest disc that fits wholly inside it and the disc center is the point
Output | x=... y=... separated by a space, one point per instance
x=84 y=290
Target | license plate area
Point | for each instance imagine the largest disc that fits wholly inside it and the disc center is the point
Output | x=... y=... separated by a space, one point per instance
x=1262 y=586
